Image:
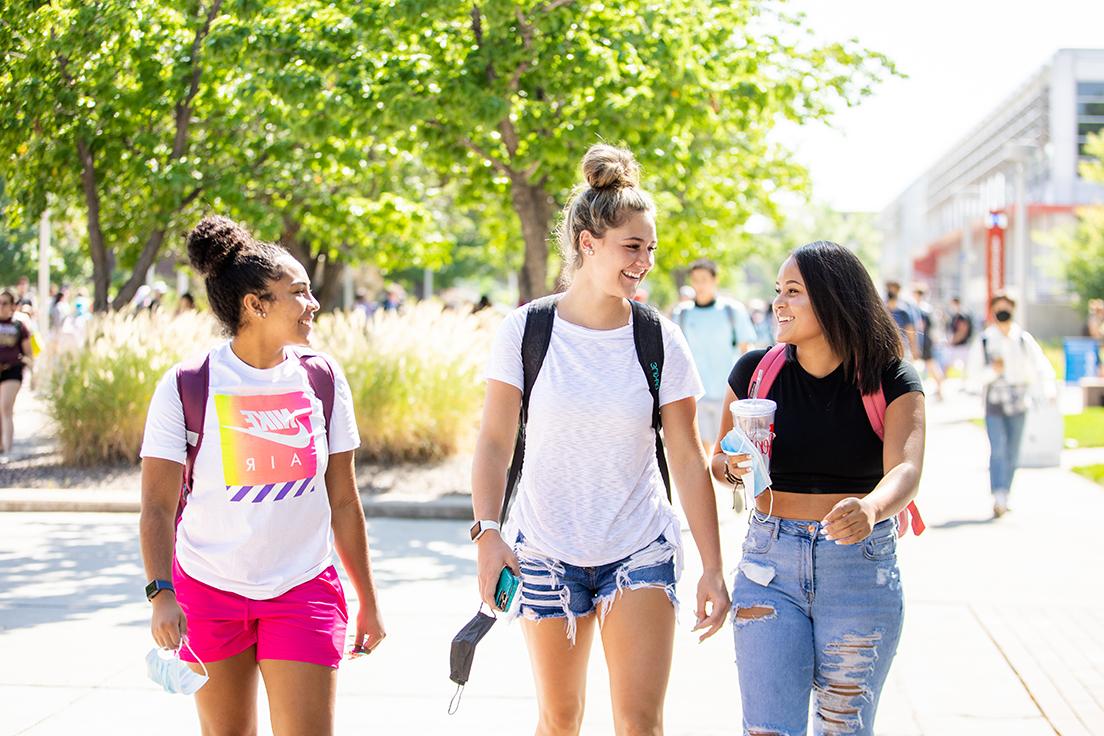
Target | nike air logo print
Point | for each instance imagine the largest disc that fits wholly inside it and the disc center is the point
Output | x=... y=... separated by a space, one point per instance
x=267 y=425
x=268 y=446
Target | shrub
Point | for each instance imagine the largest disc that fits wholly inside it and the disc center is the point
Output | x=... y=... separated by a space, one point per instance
x=415 y=378
x=98 y=394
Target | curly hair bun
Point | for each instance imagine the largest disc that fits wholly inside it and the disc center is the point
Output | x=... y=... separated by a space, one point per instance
x=609 y=167
x=214 y=241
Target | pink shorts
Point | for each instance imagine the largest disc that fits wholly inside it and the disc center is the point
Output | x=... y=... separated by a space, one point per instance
x=305 y=624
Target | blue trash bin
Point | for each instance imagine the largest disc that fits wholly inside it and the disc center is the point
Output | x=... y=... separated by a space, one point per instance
x=1081 y=358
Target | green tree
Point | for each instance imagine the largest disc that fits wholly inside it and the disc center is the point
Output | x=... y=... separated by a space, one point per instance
x=508 y=94
x=1083 y=248
x=147 y=113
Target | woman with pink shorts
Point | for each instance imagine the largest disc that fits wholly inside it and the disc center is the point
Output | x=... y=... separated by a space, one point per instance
x=262 y=432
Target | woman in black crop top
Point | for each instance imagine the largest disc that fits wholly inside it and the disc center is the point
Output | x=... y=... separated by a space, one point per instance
x=817 y=602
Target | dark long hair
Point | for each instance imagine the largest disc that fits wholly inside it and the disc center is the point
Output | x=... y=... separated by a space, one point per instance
x=850 y=311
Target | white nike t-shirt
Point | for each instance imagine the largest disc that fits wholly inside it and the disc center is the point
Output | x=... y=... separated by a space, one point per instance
x=590 y=490
x=258 y=520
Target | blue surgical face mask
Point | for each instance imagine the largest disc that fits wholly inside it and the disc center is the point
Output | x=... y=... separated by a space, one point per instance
x=165 y=667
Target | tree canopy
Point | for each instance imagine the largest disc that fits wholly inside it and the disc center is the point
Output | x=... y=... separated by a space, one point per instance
x=1083 y=248
x=384 y=132
x=508 y=94
x=147 y=113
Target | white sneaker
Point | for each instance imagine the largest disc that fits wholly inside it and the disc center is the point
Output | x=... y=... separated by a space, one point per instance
x=1000 y=503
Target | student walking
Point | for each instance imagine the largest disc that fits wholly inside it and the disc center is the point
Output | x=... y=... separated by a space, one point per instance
x=817 y=600
x=263 y=433
x=15 y=355
x=1012 y=371
x=718 y=331
x=591 y=533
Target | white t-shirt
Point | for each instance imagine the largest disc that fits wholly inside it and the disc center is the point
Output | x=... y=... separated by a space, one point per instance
x=590 y=490
x=257 y=522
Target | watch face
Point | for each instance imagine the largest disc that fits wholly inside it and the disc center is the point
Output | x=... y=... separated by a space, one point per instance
x=475 y=530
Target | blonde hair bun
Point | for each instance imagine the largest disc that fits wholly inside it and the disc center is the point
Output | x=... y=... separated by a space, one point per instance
x=610 y=167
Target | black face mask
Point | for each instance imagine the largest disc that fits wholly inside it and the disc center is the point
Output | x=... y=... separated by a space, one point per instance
x=463 y=652
x=1003 y=315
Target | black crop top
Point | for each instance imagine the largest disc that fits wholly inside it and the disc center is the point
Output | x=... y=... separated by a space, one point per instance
x=823 y=440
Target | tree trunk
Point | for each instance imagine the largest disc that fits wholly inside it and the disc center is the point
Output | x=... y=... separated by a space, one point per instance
x=328 y=292
x=103 y=260
x=534 y=209
x=141 y=268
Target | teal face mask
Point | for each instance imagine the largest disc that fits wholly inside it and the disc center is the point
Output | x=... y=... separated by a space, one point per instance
x=165 y=667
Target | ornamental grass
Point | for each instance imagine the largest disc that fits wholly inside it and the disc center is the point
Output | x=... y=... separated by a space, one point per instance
x=415 y=377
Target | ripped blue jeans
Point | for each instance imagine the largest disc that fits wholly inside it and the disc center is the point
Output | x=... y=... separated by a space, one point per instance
x=554 y=589
x=814 y=617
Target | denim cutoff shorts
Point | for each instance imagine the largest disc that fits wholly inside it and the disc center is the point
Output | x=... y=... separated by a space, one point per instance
x=554 y=589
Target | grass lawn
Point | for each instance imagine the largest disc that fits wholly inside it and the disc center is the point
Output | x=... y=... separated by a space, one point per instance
x=1082 y=430
x=1086 y=428
x=1094 y=473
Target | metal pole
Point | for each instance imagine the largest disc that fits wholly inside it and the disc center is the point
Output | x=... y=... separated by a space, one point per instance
x=427 y=284
x=43 y=264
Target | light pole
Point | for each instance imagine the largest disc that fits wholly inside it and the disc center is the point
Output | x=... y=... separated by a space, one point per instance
x=44 y=261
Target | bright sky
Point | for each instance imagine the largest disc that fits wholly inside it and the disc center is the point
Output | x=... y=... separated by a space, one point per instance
x=962 y=57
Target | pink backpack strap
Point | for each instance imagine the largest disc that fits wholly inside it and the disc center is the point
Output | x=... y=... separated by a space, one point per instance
x=909 y=517
x=192 y=381
x=762 y=378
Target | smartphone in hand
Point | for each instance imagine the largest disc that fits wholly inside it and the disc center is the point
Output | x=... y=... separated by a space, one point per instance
x=507 y=587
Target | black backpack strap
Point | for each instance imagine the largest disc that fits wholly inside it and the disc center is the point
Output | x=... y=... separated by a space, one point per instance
x=648 y=336
x=534 y=346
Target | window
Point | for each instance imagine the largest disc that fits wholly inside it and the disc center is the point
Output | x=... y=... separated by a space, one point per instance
x=1090 y=112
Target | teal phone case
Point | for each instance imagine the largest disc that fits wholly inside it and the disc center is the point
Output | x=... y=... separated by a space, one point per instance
x=506 y=589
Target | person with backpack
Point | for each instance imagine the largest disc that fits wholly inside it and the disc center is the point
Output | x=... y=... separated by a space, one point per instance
x=1012 y=372
x=718 y=331
x=817 y=601
x=15 y=355
x=589 y=376
x=240 y=554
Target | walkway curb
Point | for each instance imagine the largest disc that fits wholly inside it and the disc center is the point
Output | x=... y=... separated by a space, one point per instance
x=451 y=507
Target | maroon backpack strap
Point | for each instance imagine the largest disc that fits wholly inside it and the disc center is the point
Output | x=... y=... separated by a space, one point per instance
x=192 y=381
x=320 y=374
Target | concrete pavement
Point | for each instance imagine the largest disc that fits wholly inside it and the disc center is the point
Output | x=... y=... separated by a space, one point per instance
x=1002 y=635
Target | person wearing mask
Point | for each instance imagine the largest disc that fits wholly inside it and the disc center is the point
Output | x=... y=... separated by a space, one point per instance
x=244 y=577
x=817 y=602
x=591 y=534
x=1012 y=371
x=718 y=331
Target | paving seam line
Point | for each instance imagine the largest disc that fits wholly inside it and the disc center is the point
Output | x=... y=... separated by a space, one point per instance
x=1011 y=666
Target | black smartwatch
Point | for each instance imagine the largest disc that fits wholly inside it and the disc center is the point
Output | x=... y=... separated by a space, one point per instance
x=156 y=586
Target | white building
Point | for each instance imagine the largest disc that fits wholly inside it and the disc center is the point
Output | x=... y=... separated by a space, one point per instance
x=1020 y=160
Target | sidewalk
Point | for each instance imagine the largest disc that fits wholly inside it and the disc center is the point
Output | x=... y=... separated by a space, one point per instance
x=1002 y=634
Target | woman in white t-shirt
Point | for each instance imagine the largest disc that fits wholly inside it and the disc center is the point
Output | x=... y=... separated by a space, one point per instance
x=246 y=578
x=591 y=533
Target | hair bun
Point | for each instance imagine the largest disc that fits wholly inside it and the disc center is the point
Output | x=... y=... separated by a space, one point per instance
x=213 y=241
x=610 y=167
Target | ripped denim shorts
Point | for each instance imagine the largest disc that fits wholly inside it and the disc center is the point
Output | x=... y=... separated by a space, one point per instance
x=554 y=589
